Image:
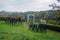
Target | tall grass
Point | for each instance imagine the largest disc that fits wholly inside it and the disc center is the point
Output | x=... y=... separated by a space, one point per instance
x=20 y=31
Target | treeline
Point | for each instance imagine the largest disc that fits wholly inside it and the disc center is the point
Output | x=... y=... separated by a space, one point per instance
x=50 y=16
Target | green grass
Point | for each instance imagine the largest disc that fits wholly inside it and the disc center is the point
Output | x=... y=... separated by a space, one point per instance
x=21 y=32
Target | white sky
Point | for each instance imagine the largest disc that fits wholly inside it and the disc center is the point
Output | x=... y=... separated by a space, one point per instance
x=25 y=5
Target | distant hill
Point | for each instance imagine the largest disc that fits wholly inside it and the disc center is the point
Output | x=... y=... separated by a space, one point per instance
x=49 y=15
x=56 y=18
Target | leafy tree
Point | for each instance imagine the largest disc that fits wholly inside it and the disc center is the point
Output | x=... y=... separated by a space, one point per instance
x=58 y=0
x=55 y=6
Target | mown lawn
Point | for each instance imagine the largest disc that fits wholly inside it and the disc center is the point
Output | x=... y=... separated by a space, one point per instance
x=21 y=32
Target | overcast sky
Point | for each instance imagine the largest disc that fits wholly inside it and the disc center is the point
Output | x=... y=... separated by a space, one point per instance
x=25 y=5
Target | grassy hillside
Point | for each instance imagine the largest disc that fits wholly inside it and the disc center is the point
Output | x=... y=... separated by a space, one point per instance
x=21 y=32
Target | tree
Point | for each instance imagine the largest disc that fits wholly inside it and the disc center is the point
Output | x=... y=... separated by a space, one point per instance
x=55 y=6
x=58 y=0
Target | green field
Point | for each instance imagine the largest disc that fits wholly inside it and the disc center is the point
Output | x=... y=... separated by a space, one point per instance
x=21 y=32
